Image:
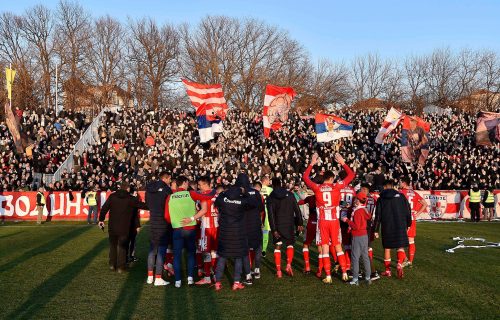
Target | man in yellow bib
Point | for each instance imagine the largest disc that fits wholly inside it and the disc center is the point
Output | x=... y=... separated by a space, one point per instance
x=91 y=199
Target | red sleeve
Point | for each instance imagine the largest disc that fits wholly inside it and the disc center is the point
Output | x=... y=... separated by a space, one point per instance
x=167 y=213
x=367 y=214
x=196 y=196
x=308 y=180
x=301 y=202
x=350 y=175
x=351 y=224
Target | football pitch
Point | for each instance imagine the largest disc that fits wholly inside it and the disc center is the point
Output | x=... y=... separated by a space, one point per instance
x=59 y=271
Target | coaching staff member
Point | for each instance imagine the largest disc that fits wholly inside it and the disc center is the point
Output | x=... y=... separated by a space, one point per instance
x=393 y=216
x=120 y=205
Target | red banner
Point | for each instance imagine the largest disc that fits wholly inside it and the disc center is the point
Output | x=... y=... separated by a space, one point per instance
x=59 y=206
x=442 y=205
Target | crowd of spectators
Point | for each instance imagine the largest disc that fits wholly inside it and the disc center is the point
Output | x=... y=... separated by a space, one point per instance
x=134 y=145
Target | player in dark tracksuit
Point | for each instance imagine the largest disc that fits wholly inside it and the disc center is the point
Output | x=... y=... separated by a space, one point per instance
x=285 y=219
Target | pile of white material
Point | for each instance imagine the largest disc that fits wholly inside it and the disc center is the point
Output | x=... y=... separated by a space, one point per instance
x=460 y=244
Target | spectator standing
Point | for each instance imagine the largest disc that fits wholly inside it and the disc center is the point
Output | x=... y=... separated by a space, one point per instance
x=393 y=217
x=91 y=199
x=160 y=230
x=120 y=205
x=40 y=204
x=475 y=203
x=359 y=242
x=488 y=204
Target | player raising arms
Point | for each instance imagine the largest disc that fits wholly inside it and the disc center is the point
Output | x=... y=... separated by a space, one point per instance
x=417 y=206
x=328 y=203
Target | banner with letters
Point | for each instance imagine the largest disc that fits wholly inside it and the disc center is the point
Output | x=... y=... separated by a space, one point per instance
x=59 y=206
x=16 y=206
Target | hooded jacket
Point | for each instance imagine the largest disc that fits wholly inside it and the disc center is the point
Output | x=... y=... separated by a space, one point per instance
x=393 y=217
x=120 y=206
x=156 y=194
x=253 y=216
x=284 y=214
x=232 y=237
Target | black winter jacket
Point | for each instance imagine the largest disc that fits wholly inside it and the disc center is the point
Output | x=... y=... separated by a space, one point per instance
x=156 y=196
x=232 y=238
x=120 y=206
x=253 y=216
x=393 y=216
x=284 y=214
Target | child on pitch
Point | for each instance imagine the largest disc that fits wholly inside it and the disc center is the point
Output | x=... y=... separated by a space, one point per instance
x=359 y=246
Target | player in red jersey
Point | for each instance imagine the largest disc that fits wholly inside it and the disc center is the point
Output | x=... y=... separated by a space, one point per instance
x=347 y=195
x=310 y=235
x=371 y=203
x=328 y=203
x=208 y=230
x=417 y=206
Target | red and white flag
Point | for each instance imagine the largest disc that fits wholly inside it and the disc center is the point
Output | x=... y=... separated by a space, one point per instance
x=211 y=107
x=277 y=103
x=391 y=121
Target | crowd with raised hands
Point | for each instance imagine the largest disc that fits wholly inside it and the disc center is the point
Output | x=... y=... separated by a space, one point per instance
x=135 y=144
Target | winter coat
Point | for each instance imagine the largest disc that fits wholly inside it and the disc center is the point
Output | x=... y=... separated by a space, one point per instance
x=284 y=214
x=253 y=216
x=232 y=238
x=120 y=206
x=393 y=217
x=156 y=195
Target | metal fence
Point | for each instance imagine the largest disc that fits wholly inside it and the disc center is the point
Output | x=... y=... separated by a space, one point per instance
x=89 y=138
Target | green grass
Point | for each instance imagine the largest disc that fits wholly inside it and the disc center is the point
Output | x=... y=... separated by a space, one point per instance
x=60 y=272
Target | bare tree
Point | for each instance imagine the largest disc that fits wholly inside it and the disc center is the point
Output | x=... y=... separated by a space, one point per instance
x=369 y=76
x=14 y=50
x=37 y=25
x=415 y=73
x=73 y=38
x=489 y=73
x=153 y=53
x=327 y=85
x=441 y=82
x=105 y=56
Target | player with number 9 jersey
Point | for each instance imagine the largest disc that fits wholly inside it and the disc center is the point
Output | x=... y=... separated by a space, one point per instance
x=328 y=204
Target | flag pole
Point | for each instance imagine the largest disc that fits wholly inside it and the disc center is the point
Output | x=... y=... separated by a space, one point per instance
x=11 y=86
x=56 y=92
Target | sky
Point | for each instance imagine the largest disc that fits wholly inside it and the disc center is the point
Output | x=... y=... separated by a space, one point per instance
x=338 y=30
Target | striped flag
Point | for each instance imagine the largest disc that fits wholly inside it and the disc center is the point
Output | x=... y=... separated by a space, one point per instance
x=330 y=127
x=210 y=105
x=487 y=128
x=276 y=107
x=391 y=121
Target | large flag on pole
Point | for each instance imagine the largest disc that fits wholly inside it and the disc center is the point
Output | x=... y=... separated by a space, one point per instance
x=277 y=103
x=13 y=126
x=415 y=140
x=330 y=127
x=10 y=74
x=391 y=121
x=210 y=105
x=487 y=128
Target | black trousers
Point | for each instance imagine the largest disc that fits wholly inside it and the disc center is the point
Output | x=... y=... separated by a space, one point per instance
x=131 y=244
x=118 y=245
x=474 y=211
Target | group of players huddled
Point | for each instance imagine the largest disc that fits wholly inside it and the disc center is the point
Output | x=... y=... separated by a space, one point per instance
x=214 y=225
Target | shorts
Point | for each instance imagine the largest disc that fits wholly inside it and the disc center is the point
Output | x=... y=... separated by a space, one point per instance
x=208 y=239
x=488 y=205
x=310 y=232
x=330 y=232
x=412 y=232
